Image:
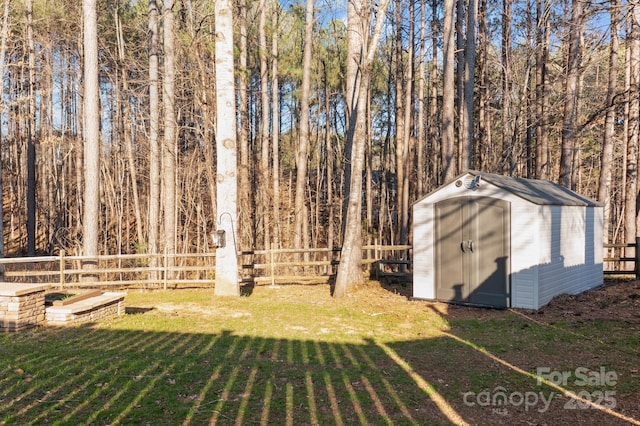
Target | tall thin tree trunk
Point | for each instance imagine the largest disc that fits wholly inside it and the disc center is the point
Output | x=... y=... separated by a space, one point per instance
x=570 y=115
x=275 y=125
x=246 y=211
x=405 y=165
x=421 y=100
x=3 y=50
x=507 y=159
x=631 y=189
x=265 y=183
x=481 y=152
x=169 y=148
x=436 y=149
x=154 y=124
x=466 y=143
x=300 y=205
x=606 y=157
x=128 y=133
x=31 y=137
x=401 y=124
x=543 y=167
x=459 y=117
x=448 y=93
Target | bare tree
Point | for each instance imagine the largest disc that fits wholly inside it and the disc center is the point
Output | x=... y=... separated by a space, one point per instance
x=361 y=54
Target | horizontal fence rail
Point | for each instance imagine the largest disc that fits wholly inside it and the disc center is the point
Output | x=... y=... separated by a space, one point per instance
x=144 y=270
x=180 y=270
x=319 y=265
x=273 y=266
x=622 y=259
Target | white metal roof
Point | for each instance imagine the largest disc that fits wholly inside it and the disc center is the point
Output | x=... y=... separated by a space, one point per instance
x=540 y=192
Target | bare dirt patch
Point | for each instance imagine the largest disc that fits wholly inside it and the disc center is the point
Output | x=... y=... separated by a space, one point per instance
x=596 y=332
x=616 y=299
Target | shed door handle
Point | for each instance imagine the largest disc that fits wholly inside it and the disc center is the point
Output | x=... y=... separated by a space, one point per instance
x=471 y=245
x=462 y=246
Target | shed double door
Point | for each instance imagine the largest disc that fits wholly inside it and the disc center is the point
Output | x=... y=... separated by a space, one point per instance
x=473 y=251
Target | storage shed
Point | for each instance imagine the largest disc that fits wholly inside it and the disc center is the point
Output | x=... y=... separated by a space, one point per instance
x=498 y=241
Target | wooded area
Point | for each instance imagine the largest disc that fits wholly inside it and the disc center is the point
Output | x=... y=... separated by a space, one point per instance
x=344 y=115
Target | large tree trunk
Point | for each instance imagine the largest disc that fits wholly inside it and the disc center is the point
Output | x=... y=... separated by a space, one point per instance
x=91 y=217
x=350 y=267
x=356 y=37
x=226 y=255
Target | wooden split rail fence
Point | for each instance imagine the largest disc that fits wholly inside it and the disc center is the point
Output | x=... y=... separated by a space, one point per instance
x=622 y=259
x=385 y=263
x=198 y=270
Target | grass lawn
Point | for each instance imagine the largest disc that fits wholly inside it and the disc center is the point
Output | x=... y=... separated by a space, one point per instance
x=293 y=355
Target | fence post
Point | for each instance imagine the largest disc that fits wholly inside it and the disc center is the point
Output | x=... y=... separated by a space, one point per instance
x=272 y=266
x=166 y=261
x=636 y=267
x=61 y=269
